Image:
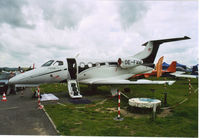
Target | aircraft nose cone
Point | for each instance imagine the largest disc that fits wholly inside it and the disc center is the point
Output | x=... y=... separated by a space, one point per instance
x=17 y=79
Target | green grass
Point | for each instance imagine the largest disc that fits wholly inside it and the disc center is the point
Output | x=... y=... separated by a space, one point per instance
x=52 y=88
x=95 y=120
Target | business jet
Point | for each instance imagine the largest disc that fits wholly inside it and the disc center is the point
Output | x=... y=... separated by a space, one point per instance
x=114 y=73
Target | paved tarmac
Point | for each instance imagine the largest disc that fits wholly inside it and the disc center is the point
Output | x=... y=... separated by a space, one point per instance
x=20 y=116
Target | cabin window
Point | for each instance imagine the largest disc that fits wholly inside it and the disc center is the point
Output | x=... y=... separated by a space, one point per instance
x=89 y=64
x=82 y=65
x=112 y=63
x=98 y=64
x=58 y=63
x=48 y=63
x=101 y=64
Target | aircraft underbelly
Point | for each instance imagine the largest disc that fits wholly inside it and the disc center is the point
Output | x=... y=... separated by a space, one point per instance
x=108 y=72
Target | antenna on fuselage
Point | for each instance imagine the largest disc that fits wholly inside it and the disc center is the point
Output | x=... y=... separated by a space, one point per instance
x=77 y=55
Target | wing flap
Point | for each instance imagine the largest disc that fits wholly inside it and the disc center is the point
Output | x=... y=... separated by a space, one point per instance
x=27 y=85
x=123 y=82
x=181 y=74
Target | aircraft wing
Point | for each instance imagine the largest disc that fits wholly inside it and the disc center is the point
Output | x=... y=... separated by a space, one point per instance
x=27 y=85
x=181 y=74
x=3 y=83
x=122 y=82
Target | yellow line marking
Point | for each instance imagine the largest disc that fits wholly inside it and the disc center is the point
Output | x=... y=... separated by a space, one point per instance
x=10 y=108
x=51 y=120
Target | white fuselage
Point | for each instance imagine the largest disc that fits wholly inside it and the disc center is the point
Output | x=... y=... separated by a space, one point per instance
x=108 y=71
x=60 y=73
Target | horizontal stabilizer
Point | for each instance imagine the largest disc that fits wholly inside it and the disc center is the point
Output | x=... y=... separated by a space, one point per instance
x=167 y=40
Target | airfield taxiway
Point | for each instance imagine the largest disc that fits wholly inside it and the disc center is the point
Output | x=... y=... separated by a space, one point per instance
x=20 y=116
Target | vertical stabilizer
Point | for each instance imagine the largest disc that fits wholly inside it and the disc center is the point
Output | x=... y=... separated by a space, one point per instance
x=172 y=67
x=148 y=55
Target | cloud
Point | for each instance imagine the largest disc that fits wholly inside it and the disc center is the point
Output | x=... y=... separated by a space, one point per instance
x=10 y=13
x=96 y=29
x=131 y=11
x=174 y=19
x=64 y=13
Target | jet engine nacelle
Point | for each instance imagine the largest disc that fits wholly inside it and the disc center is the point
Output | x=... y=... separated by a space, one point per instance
x=129 y=62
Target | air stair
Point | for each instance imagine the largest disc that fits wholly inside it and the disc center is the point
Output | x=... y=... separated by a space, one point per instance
x=73 y=89
x=73 y=86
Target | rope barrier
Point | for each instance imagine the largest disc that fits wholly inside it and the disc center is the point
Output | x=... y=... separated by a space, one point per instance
x=40 y=106
x=118 y=118
x=190 y=88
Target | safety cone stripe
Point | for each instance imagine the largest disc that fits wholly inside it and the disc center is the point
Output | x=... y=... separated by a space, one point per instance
x=41 y=107
x=4 y=99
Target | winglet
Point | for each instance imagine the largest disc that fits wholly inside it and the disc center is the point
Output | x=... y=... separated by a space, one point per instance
x=186 y=37
x=160 y=41
x=170 y=82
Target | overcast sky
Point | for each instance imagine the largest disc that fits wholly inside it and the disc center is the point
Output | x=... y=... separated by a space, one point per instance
x=34 y=31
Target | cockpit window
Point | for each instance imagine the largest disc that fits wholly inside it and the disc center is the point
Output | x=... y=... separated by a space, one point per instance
x=48 y=63
x=58 y=63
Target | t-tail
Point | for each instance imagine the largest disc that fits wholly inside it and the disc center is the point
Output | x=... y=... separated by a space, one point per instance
x=148 y=55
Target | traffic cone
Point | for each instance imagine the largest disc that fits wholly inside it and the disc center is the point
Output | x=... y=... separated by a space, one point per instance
x=40 y=106
x=22 y=93
x=4 y=97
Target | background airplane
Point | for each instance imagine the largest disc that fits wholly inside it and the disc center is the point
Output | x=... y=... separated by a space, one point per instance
x=158 y=71
x=184 y=74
